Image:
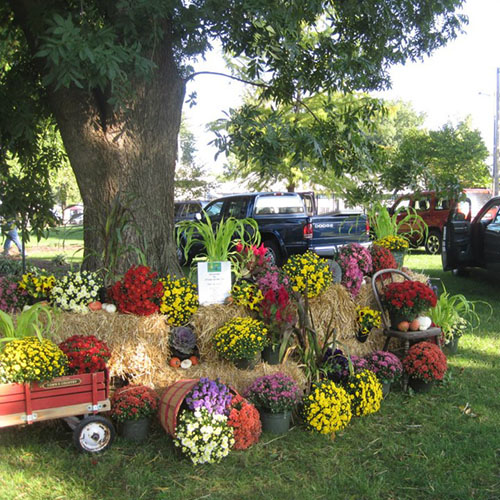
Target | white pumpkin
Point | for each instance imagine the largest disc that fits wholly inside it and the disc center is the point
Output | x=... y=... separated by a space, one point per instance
x=187 y=363
x=425 y=322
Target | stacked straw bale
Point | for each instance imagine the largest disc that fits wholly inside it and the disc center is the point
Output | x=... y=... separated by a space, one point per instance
x=141 y=353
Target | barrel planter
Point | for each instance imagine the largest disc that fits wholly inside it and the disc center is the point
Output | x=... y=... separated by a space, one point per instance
x=171 y=401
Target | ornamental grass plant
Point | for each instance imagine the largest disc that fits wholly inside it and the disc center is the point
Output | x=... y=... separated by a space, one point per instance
x=133 y=402
x=275 y=393
x=217 y=241
x=240 y=338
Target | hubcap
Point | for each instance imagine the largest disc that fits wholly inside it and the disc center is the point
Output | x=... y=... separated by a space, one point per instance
x=94 y=436
x=433 y=244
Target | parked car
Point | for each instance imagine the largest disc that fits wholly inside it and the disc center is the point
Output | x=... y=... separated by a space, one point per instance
x=473 y=243
x=187 y=210
x=435 y=211
x=285 y=226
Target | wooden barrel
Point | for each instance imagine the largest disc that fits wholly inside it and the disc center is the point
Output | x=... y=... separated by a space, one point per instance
x=171 y=401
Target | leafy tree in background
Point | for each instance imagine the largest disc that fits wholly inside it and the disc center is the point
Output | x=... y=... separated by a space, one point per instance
x=113 y=74
x=447 y=160
x=190 y=177
x=317 y=140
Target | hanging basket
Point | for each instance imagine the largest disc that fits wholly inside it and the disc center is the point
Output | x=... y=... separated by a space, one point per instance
x=171 y=401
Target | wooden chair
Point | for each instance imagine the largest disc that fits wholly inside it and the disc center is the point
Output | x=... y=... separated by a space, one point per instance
x=380 y=280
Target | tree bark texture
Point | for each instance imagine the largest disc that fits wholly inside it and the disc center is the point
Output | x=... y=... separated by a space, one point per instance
x=132 y=153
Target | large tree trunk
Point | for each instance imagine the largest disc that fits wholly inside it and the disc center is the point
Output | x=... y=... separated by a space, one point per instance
x=133 y=154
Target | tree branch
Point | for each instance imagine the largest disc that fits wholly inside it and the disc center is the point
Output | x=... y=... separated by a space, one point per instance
x=232 y=77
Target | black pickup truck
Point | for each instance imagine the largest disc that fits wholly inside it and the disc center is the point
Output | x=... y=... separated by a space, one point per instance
x=285 y=226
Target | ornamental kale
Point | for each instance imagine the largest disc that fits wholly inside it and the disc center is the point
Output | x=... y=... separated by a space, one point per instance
x=183 y=339
x=212 y=395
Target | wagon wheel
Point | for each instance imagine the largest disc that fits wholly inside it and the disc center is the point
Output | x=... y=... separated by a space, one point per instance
x=93 y=434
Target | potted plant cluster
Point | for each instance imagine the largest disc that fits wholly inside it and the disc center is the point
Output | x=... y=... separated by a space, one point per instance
x=245 y=420
x=327 y=408
x=454 y=314
x=275 y=396
x=241 y=340
x=308 y=272
x=355 y=262
x=182 y=342
x=406 y=300
x=132 y=407
x=179 y=300
x=12 y=297
x=425 y=363
x=368 y=319
x=202 y=430
x=86 y=354
x=75 y=290
x=386 y=366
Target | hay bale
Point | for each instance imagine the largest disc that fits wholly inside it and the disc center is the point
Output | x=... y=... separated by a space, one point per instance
x=226 y=372
x=139 y=344
x=207 y=320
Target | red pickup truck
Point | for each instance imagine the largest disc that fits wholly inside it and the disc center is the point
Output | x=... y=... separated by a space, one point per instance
x=435 y=210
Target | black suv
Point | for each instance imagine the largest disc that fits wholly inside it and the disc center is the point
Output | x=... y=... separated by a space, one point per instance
x=186 y=210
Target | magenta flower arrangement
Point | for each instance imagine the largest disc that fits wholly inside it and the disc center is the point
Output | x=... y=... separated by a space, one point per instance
x=386 y=366
x=11 y=296
x=274 y=393
x=355 y=262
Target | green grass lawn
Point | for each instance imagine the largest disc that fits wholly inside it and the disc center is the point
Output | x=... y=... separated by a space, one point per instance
x=441 y=445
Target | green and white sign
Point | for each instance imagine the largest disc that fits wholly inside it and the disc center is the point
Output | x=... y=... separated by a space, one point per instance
x=214 y=282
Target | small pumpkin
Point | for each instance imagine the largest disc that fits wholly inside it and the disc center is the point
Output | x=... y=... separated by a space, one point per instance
x=95 y=306
x=403 y=326
x=194 y=360
x=415 y=325
x=175 y=362
x=425 y=322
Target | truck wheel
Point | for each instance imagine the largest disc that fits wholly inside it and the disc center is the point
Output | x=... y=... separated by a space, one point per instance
x=180 y=256
x=433 y=242
x=273 y=253
x=93 y=434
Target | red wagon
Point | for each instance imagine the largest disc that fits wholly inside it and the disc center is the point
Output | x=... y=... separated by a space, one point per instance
x=75 y=398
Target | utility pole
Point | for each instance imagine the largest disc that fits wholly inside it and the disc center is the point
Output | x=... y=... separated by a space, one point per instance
x=495 y=137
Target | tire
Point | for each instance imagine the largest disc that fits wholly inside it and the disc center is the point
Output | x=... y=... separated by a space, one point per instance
x=93 y=434
x=180 y=256
x=433 y=242
x=461 y=272
x=274 y=253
